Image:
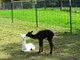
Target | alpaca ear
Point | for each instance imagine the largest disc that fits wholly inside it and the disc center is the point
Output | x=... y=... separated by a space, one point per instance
x=25 y=34
x=31 y=31
x=21 y=34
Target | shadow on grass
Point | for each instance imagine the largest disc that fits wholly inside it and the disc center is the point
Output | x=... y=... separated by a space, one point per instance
x=78 y=31
x=66 y=47
x=14 y=50
x=66 y=10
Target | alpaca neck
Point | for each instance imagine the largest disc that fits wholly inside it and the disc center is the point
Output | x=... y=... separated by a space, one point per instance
x=24 y=42
x=33 y=36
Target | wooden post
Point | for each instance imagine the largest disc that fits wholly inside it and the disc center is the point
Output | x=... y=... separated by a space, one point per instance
x=3 y=5
x=21 y=4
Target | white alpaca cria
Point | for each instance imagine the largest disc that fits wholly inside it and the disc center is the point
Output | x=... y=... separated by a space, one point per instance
x=26 y=47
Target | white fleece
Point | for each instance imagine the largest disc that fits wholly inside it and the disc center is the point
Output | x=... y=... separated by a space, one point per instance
x=26 y=47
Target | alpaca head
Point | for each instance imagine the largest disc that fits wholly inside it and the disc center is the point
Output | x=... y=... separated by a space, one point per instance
x=23 y=36
x=29 y=33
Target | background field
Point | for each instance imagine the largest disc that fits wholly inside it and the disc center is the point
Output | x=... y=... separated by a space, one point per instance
x=46 y=17
x=66 y=46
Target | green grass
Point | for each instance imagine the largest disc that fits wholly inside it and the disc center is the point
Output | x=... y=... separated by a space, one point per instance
x=66 y=46
x=46 y=17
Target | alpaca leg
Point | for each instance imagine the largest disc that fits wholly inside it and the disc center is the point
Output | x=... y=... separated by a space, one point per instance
x=40 y=46
x=51 y=44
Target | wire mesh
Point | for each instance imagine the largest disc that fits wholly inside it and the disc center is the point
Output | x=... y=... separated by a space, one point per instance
x=48 y=14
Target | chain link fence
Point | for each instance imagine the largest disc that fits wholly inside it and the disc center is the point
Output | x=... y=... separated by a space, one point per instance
x=45 y=13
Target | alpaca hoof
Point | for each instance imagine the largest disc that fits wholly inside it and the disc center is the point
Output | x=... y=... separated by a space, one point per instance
x=50 y=52
x=38 y=52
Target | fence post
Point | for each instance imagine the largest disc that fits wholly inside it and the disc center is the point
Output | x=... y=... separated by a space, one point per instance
x=12 y=10
x=36 y=14
x=61 y=7
x=21 y=4
x=3 y=5
x=70 y=16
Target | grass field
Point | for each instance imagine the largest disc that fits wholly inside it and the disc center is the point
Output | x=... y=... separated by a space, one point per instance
x=46 y=17
x=66 y=46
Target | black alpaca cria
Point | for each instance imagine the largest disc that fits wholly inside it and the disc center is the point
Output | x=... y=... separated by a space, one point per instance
x=41 y=35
